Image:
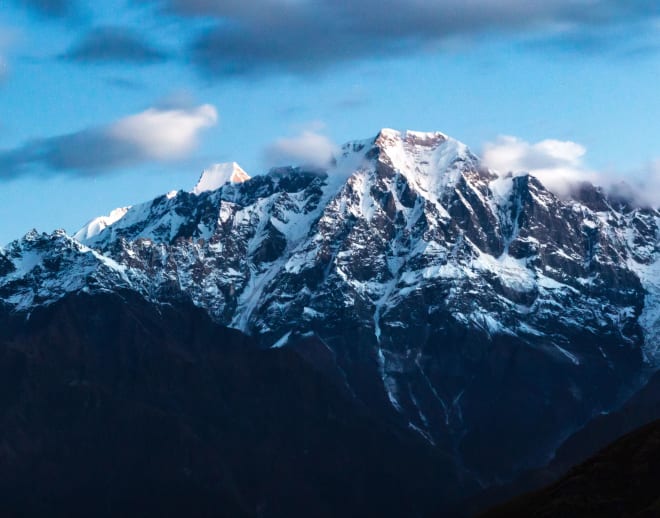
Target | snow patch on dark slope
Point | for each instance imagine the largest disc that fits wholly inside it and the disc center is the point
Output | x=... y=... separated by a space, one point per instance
x=474 y=308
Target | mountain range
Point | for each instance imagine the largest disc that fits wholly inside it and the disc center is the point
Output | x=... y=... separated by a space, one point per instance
x=469 y=316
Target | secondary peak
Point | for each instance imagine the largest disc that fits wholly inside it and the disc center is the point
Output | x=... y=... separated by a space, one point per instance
x=219 y=174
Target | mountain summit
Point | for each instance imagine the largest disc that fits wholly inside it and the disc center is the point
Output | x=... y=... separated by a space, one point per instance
x=218 y=175
x=471 y=308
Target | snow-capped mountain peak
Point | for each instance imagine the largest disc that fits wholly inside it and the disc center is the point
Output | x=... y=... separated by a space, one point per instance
x=219 y=174
x=432 y=163
x=428 y=153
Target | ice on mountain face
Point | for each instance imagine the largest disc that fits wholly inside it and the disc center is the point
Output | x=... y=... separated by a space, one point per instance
x=389 y=382
x=97 y=225
x=649 y=274
x=501 y=188
x=572 y=358
x=650 y=317
x=282 y=341
x=513 y=273
x=218 y=175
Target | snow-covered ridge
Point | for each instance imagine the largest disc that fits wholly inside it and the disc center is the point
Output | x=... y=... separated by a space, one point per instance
x=97 y=225
x=41 y=268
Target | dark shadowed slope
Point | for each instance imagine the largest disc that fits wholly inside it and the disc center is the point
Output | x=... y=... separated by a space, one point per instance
x=111 y=406
x=619 y=481
x=641 y=409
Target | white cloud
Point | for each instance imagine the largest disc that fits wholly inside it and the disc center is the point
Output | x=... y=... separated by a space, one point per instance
x=307 y=148
x=164 y=134
x=156 y=134
x=561 y=164
x=558 y=164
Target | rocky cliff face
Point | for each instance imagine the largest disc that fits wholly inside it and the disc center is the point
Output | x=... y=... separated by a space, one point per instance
x=481 y=311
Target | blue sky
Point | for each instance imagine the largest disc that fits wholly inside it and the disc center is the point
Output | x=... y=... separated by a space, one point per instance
x=108 y=105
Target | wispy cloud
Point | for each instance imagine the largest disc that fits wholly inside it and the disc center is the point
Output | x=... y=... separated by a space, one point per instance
x=113 y=44
x=309 y=147
x=308 y=35
x=156 y=134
